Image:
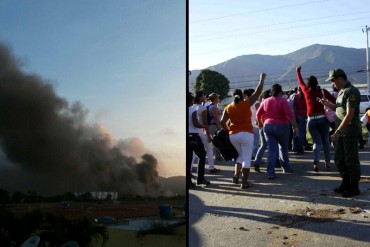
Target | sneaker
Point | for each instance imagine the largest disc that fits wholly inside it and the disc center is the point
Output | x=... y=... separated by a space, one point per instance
x=316 y=168
x=247 y=185
x=205 y=182
x=327 y=166
x=350 y=193
x=257 y=169
x=214 y=170
x=192 y=186
x=288 y=171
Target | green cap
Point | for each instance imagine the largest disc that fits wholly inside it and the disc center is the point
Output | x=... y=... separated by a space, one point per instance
x=334 y=73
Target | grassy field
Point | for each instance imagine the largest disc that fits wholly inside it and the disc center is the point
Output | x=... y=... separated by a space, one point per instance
x=120 y=238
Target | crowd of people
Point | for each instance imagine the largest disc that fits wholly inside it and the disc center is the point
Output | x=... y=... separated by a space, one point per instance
x=257 y=120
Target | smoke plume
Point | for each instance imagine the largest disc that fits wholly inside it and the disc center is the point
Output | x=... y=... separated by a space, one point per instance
x=47 y=144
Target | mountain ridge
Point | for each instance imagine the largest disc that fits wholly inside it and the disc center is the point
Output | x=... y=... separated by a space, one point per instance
x=317 y=59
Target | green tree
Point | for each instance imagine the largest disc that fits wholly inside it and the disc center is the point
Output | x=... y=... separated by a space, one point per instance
x=210 y=81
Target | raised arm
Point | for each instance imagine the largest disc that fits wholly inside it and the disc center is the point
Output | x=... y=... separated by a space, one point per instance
x=302 y=85
x=253 y=98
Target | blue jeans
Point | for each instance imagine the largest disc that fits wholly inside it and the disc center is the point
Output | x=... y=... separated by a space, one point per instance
x=298 y=141
x=277 y=134
x=261 y=149
x=319 y=130
x=256 y=140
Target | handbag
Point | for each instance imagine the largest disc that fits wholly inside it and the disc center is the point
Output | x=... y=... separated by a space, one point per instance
x=329 y=113
x=364 y=120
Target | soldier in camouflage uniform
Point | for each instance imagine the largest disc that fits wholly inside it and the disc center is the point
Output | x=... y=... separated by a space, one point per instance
x=347 y=133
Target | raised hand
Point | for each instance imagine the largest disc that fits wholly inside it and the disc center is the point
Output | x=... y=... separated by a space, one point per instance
x=262 y=76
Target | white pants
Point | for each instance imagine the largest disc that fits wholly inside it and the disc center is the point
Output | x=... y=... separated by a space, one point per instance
x=243 y=143
x=209 y=149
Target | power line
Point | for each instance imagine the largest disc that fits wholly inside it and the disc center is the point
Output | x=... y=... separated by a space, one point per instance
x=277 y=24
x=280 y=29
x=282 y=40
x=256 y=11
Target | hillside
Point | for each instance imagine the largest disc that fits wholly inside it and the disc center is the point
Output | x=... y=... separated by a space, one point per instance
x=243 y=71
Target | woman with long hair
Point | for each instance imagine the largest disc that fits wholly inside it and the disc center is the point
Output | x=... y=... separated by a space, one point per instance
x=241 y=130
x=276 y=114
x=317 y=123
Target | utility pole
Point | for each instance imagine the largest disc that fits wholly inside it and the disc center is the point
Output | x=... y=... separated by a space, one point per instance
x=367 y=57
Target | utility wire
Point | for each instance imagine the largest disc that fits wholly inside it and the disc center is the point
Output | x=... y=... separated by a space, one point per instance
x=277 y=24
x=256 y=11
x=307 y=36
x=279 y=29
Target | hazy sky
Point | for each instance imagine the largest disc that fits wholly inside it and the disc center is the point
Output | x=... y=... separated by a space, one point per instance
x=124 y=60
x=220 y=30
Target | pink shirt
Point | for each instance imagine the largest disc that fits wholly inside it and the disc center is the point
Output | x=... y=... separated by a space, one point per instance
x=275 y=110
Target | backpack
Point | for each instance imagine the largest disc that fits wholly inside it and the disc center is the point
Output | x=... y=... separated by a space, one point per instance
x=209 y=117
x=222 y=142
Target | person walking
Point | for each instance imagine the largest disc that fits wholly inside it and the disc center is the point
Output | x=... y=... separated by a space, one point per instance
x=261 y=150
x=348 y=132
x=247 y=93
x=277 y=115
x=204 y=134
x=318 y=124
x=241 y=130
x=214 y=120
x=300 y=112
x=195 y=145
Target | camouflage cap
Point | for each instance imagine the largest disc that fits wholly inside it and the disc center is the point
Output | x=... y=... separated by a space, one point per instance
x=334 y=73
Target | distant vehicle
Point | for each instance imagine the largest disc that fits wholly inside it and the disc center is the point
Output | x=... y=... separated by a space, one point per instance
x=364 y=102
x=105 y=220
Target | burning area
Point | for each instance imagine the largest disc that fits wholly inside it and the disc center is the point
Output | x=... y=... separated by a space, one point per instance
x=47 y=144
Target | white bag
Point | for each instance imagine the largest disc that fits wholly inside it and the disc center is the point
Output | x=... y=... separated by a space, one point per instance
x=364 y=120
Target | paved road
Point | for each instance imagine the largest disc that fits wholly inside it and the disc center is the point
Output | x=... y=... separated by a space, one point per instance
x=297 y=209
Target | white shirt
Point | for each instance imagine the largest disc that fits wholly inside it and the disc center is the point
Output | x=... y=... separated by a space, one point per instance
x=254 y=110
x=192 y=128
x=200 y=109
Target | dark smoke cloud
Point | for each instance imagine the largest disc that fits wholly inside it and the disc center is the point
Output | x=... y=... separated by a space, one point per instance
x=52 y=148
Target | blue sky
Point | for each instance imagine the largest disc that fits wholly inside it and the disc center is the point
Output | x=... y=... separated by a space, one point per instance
x=220 y=30
x=124 y=60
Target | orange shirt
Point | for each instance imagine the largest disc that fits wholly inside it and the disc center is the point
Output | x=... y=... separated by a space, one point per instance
x=240 y=117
